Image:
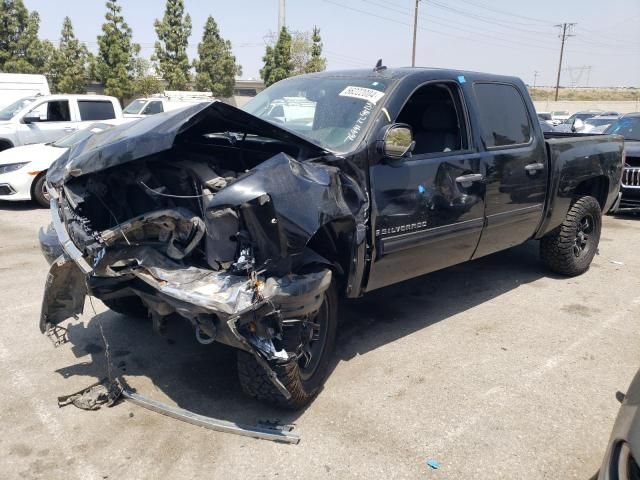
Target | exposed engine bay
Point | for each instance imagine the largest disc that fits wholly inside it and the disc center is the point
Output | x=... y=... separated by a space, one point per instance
x=209 y=215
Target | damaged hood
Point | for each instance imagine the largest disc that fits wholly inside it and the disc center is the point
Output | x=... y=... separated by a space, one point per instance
x=158 y=133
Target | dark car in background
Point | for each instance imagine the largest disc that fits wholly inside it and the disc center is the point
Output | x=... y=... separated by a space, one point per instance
x=629 y=127
x=598 y=124
x=577 y=122
x=621 y=460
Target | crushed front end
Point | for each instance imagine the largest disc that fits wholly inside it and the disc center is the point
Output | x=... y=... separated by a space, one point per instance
x=201 y=229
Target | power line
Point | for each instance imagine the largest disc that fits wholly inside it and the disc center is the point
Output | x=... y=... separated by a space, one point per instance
x=502 y=12
x=446 y=25
x=493 y=21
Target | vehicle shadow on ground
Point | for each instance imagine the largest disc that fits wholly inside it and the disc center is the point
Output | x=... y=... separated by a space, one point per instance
x=19 y=206
x=385 y=315
x=203 y=379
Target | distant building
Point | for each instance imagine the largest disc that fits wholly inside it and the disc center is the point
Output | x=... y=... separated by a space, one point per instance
x=245 y=90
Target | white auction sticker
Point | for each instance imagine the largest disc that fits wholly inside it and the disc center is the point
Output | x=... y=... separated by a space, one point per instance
x=368 y=94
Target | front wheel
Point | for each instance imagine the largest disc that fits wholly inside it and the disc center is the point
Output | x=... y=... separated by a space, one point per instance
x=570 y=248
x=40 y=193
x=309 y=360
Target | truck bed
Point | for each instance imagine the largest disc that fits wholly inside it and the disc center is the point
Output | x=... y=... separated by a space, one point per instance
x=573 y=159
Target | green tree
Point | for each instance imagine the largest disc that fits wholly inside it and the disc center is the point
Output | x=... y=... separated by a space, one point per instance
x=317 y=63
x=171 y=48
x=300 y=51
x=68 y=69
x=145 y=84
x=21 y=51
x=216 y=67
x=116 y=53
x=277 y=60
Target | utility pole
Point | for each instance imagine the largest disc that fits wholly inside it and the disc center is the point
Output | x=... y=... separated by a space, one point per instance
x=535 y=77
x=565 y=27
x=281 y=16
x=415 y=33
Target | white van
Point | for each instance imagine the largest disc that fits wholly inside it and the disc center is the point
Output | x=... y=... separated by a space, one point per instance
x=14 y=86
x=169 y=100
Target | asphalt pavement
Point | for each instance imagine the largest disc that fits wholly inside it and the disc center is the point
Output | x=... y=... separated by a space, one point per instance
x=494 y=369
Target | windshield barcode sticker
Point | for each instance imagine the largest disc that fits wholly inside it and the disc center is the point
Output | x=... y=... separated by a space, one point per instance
x=368 y=94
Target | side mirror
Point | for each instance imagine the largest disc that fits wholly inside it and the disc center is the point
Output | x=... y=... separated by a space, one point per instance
x=398 y=141
x=30 y=119
x=577 y=125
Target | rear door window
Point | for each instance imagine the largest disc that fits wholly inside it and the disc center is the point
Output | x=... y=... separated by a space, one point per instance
x=504 y=119
x=96 y=110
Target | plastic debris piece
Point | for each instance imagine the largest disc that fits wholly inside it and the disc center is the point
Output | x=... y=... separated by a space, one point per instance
x=434 y=464
x=615 y=262
x=103 y=392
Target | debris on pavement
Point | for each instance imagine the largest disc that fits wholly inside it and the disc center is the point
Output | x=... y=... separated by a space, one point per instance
x=103 y=392
x=434 y=464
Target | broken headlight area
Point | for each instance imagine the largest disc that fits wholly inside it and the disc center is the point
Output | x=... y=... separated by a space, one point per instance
x=227 y=251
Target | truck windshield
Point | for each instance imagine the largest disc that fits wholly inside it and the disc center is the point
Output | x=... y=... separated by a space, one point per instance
x=332 y=112
x=629 y=128
x=134 y=107
x=8 y=112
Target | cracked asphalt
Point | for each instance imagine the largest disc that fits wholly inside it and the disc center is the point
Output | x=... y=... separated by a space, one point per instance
x=495 y=369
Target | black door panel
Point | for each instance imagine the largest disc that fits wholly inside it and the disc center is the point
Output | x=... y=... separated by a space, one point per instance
x=516 y=167
x=425 y=219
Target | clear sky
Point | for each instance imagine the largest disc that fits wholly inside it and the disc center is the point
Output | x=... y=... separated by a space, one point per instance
x=515 y=37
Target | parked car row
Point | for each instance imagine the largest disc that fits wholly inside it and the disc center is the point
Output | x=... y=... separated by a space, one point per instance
x=37 y=130
x=589 y=121
x=23 y=169
x=599 y=122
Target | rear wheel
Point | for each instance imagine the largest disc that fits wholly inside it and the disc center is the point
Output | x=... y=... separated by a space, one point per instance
x=570 y=248
x=40 y=193
x=129 y=306
x=310 y=346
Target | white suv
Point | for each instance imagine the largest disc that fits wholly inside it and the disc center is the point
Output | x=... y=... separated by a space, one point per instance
x=41 y=119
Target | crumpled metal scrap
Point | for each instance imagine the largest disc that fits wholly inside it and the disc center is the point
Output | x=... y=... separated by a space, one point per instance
x=103 y=392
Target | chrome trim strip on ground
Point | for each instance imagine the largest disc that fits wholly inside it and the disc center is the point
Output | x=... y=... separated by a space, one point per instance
x=263 y=432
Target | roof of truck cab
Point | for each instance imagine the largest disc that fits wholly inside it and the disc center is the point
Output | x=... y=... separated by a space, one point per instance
x=407 y=72
x=76 y=96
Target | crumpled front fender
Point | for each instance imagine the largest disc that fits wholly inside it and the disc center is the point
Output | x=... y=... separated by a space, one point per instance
x=285 y=202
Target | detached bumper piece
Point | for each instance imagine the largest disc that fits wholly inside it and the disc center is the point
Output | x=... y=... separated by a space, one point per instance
x=107 y=393
x=273 y=432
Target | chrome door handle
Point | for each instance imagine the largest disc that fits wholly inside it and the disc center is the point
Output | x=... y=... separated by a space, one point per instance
x=534 y=167
x=467 y=180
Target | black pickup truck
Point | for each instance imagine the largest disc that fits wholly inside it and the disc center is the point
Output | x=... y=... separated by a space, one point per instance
x=251 y=223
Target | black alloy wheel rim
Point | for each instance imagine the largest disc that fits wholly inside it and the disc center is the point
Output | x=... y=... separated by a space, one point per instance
x=584 y=233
